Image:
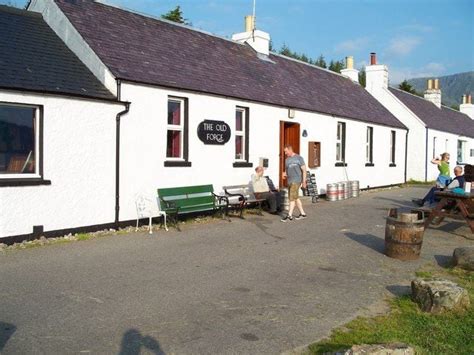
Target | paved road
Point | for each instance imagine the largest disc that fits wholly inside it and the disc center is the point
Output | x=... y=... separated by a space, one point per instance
x=251 y=286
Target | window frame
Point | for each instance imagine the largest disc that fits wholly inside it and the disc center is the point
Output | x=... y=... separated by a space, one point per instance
x=463 y=151
x=434 y=147
x=244 y=133
x=393 y=148
x=341 y=140
x=369 y=146
x=36 y=178
x=183 y=160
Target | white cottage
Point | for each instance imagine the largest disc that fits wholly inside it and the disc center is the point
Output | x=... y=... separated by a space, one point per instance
x=57 y=134
x=205 y=109
x=433 y=128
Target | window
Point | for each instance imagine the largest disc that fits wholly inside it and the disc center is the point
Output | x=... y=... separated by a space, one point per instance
x=19 y=141
x=341 y=144
x=240 y=134
x=177 y=133
x=369 y=140
x=446 y=145
x=434 y=147
x=461 y=149
x=393 y=142
x=242 y=138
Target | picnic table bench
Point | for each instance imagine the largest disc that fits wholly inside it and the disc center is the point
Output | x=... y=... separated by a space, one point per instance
x=191 y=199
x=452 y=205
x=241 y=196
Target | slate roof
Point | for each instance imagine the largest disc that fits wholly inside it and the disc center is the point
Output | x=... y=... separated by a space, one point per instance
x=33 y=58
x=147 y=50
x=442 y=119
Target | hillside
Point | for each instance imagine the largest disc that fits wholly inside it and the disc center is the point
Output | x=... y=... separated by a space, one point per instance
x=452 y=86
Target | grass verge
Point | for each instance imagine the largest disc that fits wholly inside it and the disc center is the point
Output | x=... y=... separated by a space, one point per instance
x=450 y=333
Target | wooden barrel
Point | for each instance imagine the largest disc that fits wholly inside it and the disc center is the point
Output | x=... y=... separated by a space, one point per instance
x=354 y=188
x=340 y=191
x=285 y=202
x=331 y=192
x=403 y=235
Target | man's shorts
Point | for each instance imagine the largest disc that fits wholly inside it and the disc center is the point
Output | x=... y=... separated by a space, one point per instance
x=293 y=191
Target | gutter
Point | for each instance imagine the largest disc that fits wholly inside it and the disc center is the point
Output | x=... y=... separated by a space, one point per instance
x=406 y=155
x=426 y=155
x=117 y=153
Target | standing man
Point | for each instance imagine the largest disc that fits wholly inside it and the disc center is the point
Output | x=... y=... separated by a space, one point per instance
x=295 y=174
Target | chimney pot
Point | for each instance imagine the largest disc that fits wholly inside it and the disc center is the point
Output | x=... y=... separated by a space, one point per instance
x=464 y=99
x=373 y=58
x=436 y=84
x=249 y=23
x=350 y=62
x=429 y=84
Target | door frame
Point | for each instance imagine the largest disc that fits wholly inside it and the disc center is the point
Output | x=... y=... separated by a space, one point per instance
x=289 y=134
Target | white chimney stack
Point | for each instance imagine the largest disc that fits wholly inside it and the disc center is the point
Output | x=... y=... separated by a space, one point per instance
x=350 y=72
x=376 y=75
x=467 y=107
x=433 y=92
x=258 y=40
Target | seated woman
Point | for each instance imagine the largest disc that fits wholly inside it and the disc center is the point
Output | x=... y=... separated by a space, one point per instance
x=458 y=181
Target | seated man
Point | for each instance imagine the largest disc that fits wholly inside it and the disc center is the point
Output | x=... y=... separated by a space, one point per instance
x=262 y=191
x=458 y=181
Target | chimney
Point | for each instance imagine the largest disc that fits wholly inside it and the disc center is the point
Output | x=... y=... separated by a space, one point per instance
x=376 y=75
x=350 y=72
x=433 y=92
x=467 y=107
x=258 y=40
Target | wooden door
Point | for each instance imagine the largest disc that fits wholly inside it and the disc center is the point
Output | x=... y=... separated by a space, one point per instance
x=289 y=134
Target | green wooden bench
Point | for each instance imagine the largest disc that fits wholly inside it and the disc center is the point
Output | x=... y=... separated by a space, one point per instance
x=191 y=199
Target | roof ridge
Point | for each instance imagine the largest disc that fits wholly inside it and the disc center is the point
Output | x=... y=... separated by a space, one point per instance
x=156 y=18
x=422 y=98
x=309 y=64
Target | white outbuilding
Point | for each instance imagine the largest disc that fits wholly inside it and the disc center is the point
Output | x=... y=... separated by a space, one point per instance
x=433 y=128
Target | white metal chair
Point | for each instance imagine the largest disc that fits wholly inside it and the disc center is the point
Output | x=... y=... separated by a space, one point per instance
x=145 y=209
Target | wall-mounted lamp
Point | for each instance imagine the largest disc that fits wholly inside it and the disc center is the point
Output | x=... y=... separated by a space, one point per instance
x=305 y=133
x=291 y=113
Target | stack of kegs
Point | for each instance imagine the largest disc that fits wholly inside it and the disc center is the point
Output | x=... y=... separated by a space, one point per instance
x=285 y=201
x=342 y=190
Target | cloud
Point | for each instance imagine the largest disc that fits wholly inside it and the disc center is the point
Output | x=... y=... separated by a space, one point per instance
x=403 y=45
x=352 y=45
x=432 y=69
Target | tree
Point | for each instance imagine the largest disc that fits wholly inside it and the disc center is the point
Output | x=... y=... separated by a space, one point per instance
x=320 y=62
x=336 y=65
x=405 y=86
x=362 y=77
x=176 y=15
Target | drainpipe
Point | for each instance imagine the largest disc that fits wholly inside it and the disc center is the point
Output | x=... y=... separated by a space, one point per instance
x=117 y=153
x=406 y=155
x=426 y=156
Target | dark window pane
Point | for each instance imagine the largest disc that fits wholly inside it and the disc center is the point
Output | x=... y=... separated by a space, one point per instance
x=239 y=116
x=239 y=148
x=17 y=140
x=173 y=144
x=174 y=113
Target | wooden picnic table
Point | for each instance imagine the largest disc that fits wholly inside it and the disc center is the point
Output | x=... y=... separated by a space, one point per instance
x=455 y=206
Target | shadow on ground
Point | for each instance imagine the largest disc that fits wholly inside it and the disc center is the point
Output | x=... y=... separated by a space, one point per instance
x=399 y=290
x=6 y=332
x=369 y=240
x=133 y=342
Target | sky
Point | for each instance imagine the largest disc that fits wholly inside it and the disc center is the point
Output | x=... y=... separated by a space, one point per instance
x=414 y=38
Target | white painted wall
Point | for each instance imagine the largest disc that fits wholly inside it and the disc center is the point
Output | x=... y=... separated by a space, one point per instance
x=143 y=145
x=417 y=131
x=78 y=158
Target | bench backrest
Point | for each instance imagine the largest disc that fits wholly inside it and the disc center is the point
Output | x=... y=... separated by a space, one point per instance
x=245 y=190
x=188 y=198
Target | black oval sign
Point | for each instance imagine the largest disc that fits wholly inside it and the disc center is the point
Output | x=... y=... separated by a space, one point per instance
x=214 y=132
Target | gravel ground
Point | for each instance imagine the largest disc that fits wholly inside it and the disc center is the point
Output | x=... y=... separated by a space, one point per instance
x=249 y=286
